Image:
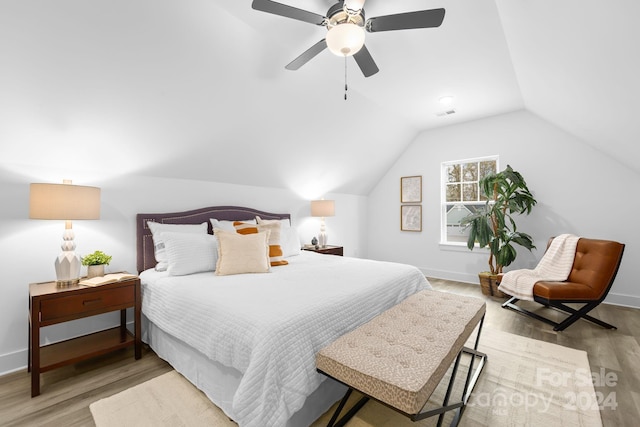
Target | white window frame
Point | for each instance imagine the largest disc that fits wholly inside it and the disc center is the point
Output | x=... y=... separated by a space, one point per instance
x=443 y=198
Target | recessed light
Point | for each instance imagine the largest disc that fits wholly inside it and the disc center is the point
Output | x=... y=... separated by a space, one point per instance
x=446 y=100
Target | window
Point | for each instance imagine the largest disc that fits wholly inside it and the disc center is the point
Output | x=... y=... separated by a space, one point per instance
x=461 y=194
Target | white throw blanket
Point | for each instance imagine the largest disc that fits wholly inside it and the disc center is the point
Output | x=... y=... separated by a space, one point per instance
x=554 y=266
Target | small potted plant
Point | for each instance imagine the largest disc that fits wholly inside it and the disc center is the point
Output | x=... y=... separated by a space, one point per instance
x=494 y=225
x=95 y=263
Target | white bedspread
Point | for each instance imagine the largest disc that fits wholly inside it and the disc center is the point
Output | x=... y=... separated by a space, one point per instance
x=270 y=326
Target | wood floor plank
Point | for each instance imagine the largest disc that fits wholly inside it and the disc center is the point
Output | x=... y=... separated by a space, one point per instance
x=68 y=392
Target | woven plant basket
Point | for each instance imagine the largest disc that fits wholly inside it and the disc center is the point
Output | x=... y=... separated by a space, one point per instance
x=489 y=285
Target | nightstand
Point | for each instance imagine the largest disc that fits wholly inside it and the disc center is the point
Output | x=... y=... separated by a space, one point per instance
x=328 y=250
x=49 y=305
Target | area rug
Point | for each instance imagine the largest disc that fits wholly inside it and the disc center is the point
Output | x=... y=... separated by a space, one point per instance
x=525 y=382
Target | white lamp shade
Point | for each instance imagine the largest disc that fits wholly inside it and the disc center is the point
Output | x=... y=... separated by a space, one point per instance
x=345 y=39
x=323 y=208
x=64 y=202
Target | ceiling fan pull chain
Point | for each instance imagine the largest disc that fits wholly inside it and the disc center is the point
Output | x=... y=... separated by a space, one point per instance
x=345 y=78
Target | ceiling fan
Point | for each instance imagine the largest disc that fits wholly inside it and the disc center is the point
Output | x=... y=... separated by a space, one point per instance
x=346 y=25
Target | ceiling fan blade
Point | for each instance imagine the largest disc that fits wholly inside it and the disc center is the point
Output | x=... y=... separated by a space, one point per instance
x=406 y=21
x=365 y=62
x=288 y=11
x=307 y=55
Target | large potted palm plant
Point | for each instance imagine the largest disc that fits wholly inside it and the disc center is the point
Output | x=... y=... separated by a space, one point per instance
x=493 y=226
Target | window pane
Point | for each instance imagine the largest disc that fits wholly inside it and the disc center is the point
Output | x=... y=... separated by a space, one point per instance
x=462 y=194
x=470 y=192
x=456 y=232
x=453 y=173
x=470 y=172
x=453 y=193
x=487 y=167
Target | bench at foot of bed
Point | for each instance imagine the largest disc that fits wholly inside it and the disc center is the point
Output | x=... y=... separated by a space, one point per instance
x=399 y=357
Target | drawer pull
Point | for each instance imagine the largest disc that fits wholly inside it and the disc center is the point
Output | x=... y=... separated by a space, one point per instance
x=91 y=301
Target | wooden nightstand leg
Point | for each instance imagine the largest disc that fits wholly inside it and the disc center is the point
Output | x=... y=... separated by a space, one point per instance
x=29 y=340
x=123 y=325
x=35 y=353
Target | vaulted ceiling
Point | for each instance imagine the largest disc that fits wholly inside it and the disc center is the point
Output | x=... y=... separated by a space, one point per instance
x=196 y=89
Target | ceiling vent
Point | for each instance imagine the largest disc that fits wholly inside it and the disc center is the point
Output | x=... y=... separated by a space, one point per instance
x=446 y=113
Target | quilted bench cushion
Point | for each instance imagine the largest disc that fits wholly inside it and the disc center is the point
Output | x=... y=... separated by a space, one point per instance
x=400 y=356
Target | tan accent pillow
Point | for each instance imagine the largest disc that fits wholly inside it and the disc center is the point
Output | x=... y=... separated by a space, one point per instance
x=238 y=254
x=275 y=249
x=284 y=223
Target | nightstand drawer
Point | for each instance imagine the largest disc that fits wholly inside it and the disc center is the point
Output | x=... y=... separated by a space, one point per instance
x=86 y=303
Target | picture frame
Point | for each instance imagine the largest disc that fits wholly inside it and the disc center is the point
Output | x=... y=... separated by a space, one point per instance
x=411 y=217
x=411 y=189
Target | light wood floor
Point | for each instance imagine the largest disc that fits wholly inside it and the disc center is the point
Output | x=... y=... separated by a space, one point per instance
x=68 y=392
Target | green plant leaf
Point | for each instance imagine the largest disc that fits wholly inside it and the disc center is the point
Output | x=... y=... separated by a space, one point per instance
x=96 y=258
x=495 y=225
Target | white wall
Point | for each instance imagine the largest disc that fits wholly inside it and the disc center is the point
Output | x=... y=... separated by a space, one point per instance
x=579 y=190
x=29 y=247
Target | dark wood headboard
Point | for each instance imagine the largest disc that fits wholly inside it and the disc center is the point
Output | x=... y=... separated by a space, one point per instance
x=144 y=241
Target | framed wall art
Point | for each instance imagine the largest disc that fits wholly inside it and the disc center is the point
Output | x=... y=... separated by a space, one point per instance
x=411 y=189
x=411 y=217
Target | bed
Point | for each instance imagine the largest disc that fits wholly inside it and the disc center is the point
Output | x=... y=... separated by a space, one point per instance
x=248 y=341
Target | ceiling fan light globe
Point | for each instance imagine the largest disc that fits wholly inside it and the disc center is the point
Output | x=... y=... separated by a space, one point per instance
x=345 y=39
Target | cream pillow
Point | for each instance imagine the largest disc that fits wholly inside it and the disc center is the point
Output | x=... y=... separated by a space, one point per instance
x=227 y=225
x=284 y=223
x=158 y=243
x=238 y=253
x=275 y=250
x=289 y=239
x=189 y=253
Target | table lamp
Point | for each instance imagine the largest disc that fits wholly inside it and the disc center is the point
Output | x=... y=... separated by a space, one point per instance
x=65 y=202
x=322 y=209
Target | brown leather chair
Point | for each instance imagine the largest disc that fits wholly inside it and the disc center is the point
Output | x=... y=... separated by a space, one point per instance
x=594 y=269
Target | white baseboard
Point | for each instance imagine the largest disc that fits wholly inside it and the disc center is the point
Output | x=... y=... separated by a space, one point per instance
x=622 y=300
x=13 y=362
x=613 y=298
x=451 y=275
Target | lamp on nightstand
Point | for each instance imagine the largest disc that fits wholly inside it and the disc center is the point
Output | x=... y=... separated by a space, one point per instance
x=65 y=202
x=322 y=209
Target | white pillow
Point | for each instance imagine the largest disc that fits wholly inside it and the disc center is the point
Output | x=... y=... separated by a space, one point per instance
x=227 y=225
x=242 y=253
x=189 y=253
x=158 y=244
x=289 y=241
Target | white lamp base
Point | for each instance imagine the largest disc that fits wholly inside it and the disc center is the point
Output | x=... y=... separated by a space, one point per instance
x=322 y=240
x=67 y=269
x=67 y=263
x=322 y=237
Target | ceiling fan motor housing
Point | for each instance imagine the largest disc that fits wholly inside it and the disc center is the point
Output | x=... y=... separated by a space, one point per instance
x=337 y=14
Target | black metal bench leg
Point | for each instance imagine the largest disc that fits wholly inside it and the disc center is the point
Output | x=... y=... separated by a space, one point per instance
x=335 y=422
x=465 y=394
x=445 y=402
